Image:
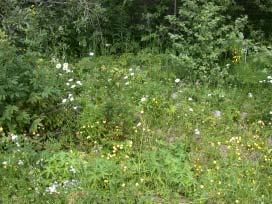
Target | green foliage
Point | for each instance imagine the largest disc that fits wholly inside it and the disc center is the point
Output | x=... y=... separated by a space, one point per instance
x=28 y=89
x=201 y=38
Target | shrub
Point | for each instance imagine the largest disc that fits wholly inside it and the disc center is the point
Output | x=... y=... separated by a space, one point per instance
x=29 y=89
x=202 y=36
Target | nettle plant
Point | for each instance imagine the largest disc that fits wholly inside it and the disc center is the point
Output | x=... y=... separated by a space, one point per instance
x=31 y=91
x=203 y=37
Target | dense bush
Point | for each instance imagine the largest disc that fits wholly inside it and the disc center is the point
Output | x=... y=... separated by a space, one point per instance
x=202 y=39
x=29 y=89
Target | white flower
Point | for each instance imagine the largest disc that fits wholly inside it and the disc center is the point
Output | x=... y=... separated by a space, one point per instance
x=72 y=169
x=190 y=99
x=75 y=107
x=91 y=54
x=67 y=84
x=197 y=132
x=107 y=45
x=70 y=80
x=209 y=95
x=71 y=98
x=20 y=162
x=14 y=137
x=191 y=110
x=143 y=99
x=126 y=77
x=269 y=77
x=177 y=80
x=250 y=95
x=270 y=81
x=79 y=83
x=65 y=66
x=139 y=124
x=70 y=95
x=64 y=100
x=53 y=188
x=132 y=74
x=217 y=113
x=4 y=163
x=270 y=112
x=73 y=86
x=130 y=69
x=127 y=83
x=174 y=95
x=58 y=66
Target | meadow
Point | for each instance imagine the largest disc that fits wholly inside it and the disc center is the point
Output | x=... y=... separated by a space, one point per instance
x=124 y=101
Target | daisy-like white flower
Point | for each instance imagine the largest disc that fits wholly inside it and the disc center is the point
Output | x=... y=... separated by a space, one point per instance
x=79 y=83
x=127 y=83
x=65 y=66
x=20 y=162
x=73 y=86
x=197 y=132
x=64 y=100
x=132 y=74
x=269 y=77
x=143 y=99
x=130 y=69
x=270 y=112
x=70 y=80
x=67 y=84
x=14 y=137
x=71 y=98
x=72 y=169
x=217 y=113
x=125 y=77
x=250 y=95
x=91 y=54
x=209 y=95
x=190 y=99
x=177 y=80
x=191 y=110
x=58 y=66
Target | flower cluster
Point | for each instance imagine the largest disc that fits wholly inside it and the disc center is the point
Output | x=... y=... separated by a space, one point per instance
x=267 y=80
